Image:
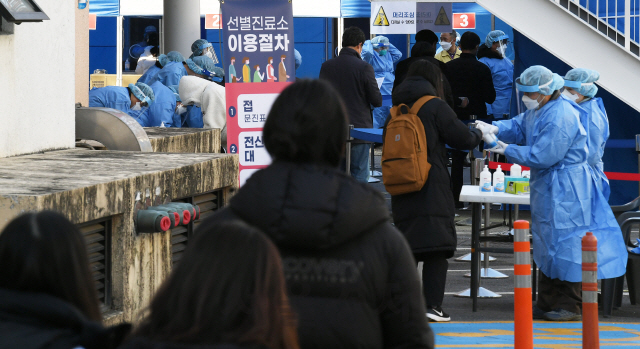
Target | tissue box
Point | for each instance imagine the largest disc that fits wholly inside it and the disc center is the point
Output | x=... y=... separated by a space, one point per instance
x=508 y=179
x=518 y=187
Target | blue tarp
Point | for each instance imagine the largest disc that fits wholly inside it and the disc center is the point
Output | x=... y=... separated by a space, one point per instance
x=105 y=8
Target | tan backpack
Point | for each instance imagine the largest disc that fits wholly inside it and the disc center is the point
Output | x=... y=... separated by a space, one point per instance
x=405 y=168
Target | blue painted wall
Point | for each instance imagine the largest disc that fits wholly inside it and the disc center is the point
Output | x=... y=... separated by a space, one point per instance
x=102 y=45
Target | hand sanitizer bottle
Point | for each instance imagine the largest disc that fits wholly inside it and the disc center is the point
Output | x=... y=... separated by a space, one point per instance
x=485 y=180
x=516 y=170
x=498 y=180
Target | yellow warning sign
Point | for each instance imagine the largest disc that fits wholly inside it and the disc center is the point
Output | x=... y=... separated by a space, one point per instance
x=381 y=18
x=442 y=18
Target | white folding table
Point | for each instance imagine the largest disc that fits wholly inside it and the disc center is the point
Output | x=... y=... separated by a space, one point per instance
x=472 y=194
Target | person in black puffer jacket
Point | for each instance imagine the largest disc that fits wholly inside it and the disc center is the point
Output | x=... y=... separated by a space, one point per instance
x=48 y=298
x=426 y=217
x=227 y=292
x=350 y=273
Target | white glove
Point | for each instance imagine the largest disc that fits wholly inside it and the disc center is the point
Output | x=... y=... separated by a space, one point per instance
x=489 y=128
x=500 y=148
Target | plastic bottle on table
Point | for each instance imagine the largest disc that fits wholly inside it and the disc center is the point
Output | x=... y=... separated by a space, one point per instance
x=490 y=141
x=516 y=171
x=485 y=180
x=127 y=65
x=498 y=180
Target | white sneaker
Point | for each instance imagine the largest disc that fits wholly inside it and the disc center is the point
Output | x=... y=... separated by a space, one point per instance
x=437 y=314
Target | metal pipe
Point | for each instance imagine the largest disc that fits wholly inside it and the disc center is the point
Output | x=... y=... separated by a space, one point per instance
x=340 y=32
x=408 y=45
x=119 y=47
x=627 y=24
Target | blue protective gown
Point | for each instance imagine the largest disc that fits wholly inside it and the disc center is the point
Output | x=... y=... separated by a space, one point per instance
x=149 y=74
x=598 y=136
x=170 y=74
x=383 y=67
x=502 y=74
x=192 y=117
x=114 y=97
x=163 y=108
x=565 y=200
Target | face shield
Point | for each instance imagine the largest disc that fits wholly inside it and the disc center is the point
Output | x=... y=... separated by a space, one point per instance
x=505 y=48
x=208 y=51
x=529 y=96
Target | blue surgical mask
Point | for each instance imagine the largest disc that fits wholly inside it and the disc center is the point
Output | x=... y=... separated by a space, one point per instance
x=383 y=52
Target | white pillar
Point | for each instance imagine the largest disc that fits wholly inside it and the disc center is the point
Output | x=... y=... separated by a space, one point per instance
x=181 y=25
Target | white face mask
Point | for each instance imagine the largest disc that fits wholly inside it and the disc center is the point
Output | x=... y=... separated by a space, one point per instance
x=181 y=110
x=530 y=103
x=209 y=54
x=445 y=45
x=502 y=49
x=137 y=106
x=570 y=96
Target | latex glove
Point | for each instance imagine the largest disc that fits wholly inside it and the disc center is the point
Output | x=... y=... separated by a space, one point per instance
x=500 y=149
x=490 y=128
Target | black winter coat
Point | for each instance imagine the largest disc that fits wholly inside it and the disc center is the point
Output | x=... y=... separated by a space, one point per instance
x=426 y=216
x=355 y=80
x=472 y=79
x=37 y=320
x=144 y=343
x=352 y=279
x=403 y=68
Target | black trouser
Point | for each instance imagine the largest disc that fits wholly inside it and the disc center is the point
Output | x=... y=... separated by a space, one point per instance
x=434 y=276
x=457 y=174
x=555 y=293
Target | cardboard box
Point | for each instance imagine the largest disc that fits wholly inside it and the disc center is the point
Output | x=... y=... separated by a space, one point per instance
x=518 y=188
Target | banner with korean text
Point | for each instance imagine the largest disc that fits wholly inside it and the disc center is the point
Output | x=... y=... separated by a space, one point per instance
x=259 y=63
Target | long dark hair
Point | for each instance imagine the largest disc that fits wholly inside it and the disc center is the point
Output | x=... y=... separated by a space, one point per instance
x=45 y=253
x=228 y=288
x=307 y=124
x=429 y=71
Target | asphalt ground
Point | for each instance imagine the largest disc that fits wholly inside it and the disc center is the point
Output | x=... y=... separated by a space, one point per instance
x=493 y=309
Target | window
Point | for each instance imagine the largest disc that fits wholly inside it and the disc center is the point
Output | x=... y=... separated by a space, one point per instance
x=208 y=203
x=19 y=11
x=97 y=234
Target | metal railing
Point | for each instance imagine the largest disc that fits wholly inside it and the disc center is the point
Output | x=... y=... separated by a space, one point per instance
x=618 y=20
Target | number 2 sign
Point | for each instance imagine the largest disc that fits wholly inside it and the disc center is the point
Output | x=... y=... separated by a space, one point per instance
x=464 y=20
x=212 y=21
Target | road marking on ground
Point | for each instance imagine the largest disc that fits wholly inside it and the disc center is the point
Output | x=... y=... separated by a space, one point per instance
x=546 y=334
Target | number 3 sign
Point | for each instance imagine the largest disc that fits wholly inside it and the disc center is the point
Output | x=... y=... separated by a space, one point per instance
x=464 y=21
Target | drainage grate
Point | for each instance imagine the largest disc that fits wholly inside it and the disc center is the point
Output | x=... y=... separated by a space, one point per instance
x=208 y=203
x=97 y=235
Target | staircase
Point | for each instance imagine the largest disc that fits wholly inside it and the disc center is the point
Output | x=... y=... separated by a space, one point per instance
x=596 y=34
x=580 y=38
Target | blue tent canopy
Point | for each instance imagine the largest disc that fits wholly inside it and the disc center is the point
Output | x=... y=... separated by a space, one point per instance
x=105 y=8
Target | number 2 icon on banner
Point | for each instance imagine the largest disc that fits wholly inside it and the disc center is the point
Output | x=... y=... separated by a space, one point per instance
x=233 y=149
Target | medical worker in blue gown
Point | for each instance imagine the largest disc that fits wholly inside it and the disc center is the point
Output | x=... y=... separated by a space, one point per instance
x=551 y=138
x=149 y=77
x=381 y=55
x=163 y=110
x=580 y=87
x=493 y=54
x=133 y=100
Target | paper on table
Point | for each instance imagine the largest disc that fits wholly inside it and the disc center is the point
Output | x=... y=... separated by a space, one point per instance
x=380 y=81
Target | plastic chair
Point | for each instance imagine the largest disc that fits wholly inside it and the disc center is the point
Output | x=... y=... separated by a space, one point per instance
x=612 y=289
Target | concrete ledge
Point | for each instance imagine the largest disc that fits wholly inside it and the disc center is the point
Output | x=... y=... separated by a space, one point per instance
x=184 y=140
x=88 y=185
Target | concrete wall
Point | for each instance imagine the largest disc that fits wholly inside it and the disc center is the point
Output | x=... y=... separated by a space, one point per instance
x=82 y=56
x=37 y=82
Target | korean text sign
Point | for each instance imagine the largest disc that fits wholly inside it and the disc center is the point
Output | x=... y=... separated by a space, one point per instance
x=259 y=62
x=406 y=17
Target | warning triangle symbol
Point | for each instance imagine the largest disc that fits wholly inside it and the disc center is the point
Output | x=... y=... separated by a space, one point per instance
x=381 y=18
x=442 y=18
